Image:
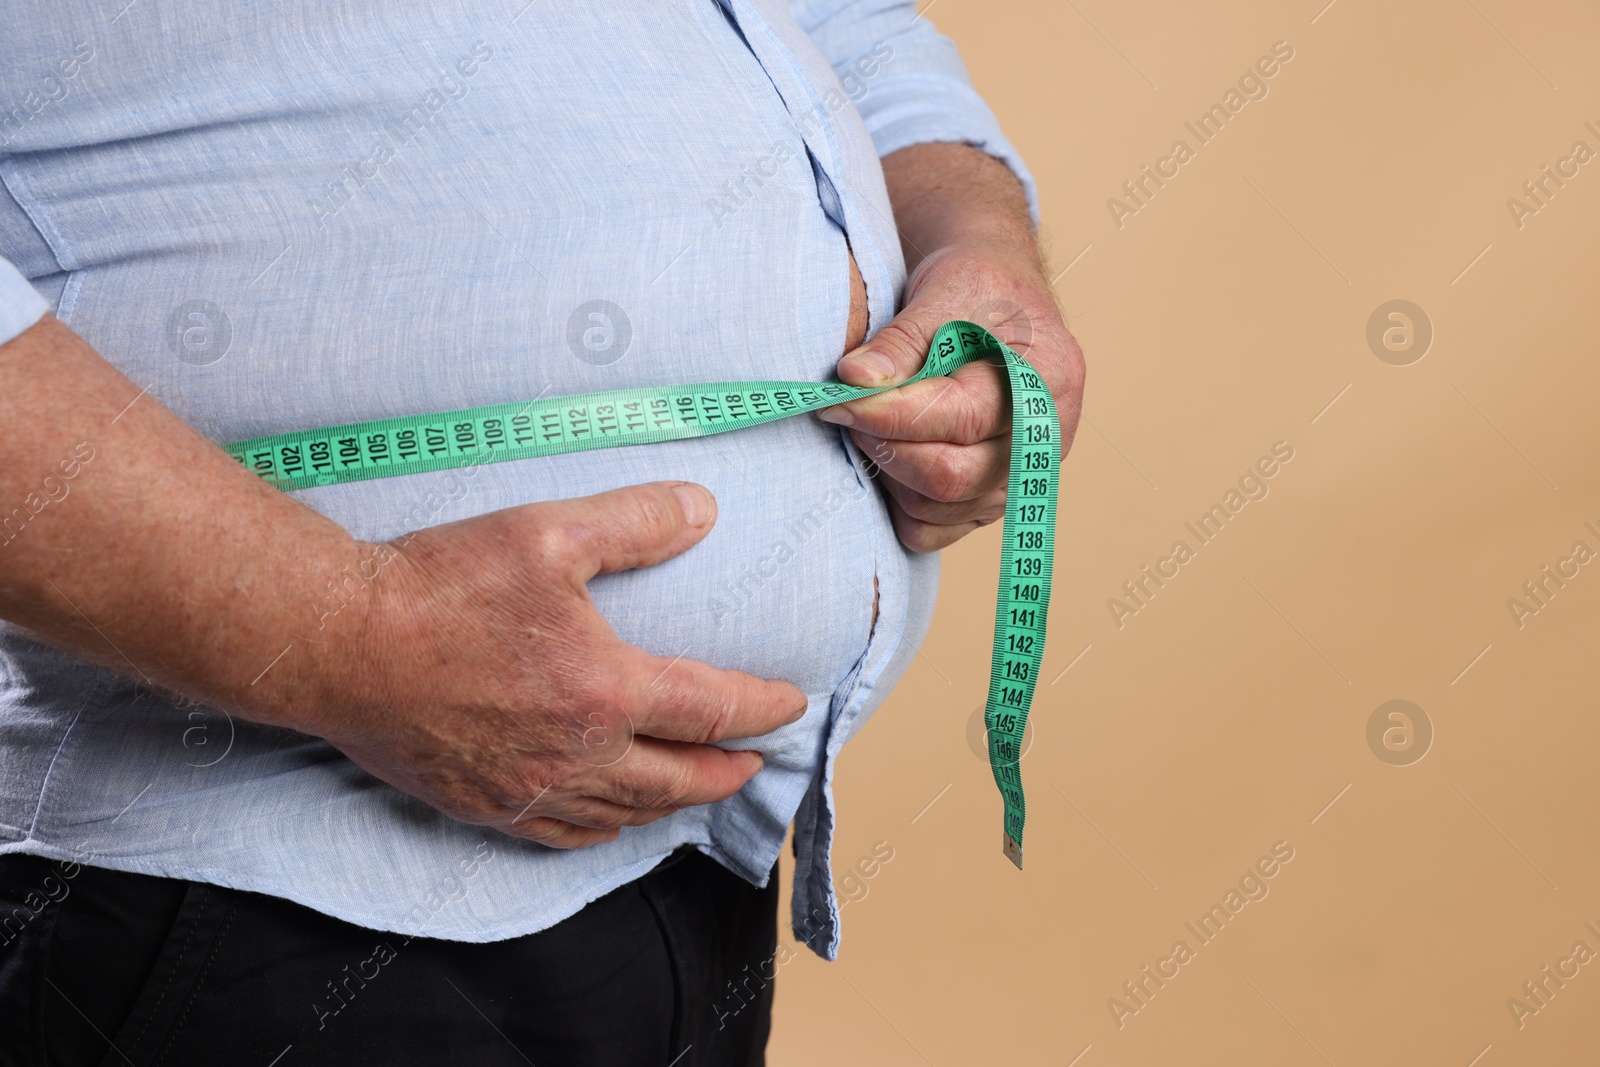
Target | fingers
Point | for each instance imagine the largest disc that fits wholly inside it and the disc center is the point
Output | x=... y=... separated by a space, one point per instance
x=943 y=472
x=922 y=536
x=657 y=779
x=983 y=509
x=636 y=526
x=598 y=813
x=894 y=353
x=558 y=833
x=968 y=406
x=925 y=524
x=666 y=776
x=686 y=700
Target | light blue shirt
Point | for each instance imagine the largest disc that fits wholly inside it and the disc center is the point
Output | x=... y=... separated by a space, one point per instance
x=290 y=215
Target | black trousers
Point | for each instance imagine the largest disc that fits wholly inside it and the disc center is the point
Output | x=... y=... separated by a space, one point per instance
x=100 y=967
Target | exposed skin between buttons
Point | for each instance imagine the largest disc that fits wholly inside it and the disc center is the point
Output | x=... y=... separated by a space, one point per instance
x=855 y=333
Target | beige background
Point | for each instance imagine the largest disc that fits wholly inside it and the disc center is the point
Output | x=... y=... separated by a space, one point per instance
x=1231 y=712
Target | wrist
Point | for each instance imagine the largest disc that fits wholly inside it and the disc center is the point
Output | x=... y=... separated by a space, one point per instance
x=313 y=657
x=984 y=252
x=953 y=195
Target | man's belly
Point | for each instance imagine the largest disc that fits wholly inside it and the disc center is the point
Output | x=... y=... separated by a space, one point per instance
x=499 y=257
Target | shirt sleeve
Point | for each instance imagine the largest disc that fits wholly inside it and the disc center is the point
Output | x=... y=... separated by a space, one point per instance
x=21 y=305
x=906 y=79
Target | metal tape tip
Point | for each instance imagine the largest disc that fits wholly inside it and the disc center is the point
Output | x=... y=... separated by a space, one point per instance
x=1013 y=850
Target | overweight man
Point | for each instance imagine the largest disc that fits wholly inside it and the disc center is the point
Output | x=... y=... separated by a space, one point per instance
x=490 y=765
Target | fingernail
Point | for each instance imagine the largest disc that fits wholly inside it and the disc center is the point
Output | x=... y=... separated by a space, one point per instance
x=839 y=416
x=876 y=364
x=695 y=501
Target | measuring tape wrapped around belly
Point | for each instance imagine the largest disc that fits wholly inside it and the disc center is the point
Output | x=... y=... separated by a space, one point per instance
x=413 y=444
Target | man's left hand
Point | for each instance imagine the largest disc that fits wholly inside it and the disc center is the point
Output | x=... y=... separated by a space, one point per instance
x=944 y=444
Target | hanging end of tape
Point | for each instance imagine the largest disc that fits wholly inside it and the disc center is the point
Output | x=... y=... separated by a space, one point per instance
x=1013 y=850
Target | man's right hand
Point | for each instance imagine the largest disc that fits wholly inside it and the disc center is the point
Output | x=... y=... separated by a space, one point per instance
x=472 y=670
x=486 y=683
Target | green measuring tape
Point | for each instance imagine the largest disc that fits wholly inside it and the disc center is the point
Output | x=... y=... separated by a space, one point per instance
x=414 y=444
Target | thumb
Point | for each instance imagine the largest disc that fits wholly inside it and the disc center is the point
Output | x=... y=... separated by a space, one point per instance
x=635 y=526
x=895 y=352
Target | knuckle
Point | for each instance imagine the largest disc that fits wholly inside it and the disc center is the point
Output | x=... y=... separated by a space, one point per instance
x=555 y=777
x=915 y=505
x=1077 y=366
x=599 y=698
x=875 y=448
x=721 y=714
x=651 y=512
x=922 y=537
x=947 y=476
x=963 y=263
x=1067 y=373
x=905 y=339
x=540 y=783
x=972 y=420
x=925 y=509
x=548 y=546
x=1075 y=376
x=880 y=417
x=675 y=789
x=604 y=816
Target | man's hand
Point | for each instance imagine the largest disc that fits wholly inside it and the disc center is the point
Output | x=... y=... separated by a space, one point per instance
x=944 y=444
x=497 y=693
